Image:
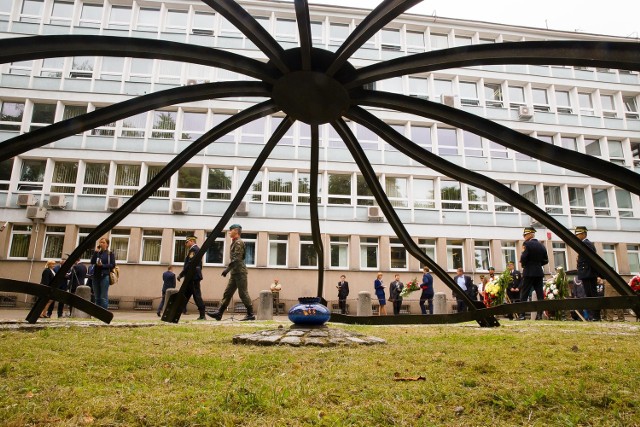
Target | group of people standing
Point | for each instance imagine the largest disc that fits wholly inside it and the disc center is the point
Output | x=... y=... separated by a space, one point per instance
x=395 y=293
x=74 y=278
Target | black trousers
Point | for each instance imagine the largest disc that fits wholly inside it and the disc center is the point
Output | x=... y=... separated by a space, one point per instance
x=591 y=290
x=397 y=304
x=194 y=289
x=530 y=284
x=342 y=304
x=63 y=287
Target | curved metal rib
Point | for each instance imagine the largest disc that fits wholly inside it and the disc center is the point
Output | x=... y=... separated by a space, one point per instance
x=313 y=206
x=374 y=185
x=234 y=122
x=386 y=12
x=620 y=55
x=36 y=47
x=173 y=310
x=583 y=163
x=37 y=138
x=435 y=162
x=251 y=29
x=304 y=30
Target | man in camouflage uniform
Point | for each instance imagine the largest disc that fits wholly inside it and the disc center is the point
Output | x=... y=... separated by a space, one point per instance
x=238 y=279
x=194 y=286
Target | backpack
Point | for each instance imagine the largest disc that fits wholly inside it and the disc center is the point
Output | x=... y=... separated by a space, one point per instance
x=114 y=275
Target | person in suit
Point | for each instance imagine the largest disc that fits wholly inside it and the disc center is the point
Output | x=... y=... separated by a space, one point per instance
x=378 y=286
x=533 y=257
x=395 y=288
x=343 y=293
x=46 y=279
x=513 y=291
x=194 y=286
x=77 y=275
x=168 y=282
x=465 y=283
x=586 y=272
x=427 y=291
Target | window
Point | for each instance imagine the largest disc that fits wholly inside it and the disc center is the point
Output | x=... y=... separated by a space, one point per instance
x=499 y=204
x=472 y=144
x=52 y=67
x=119 y=244
x=339 y=189
x=482 y=255
x=148 y=19
x=586 y=104
x=398 y=254
x=469 y=93
x=202 y=25
x=220 y=181
x=498 y=151
x=31 y=11
x=415 y=42
x=112 y=68
x=363 y=192
x=5 y=9
x=176 y=21
x=179 y=248
x=82 y=236
x=339 y=248
x=600 y=201
x=287 y=138
x=477 y=199
x=451 y=195
x=428 y=246
x=509 y=253
x=317 y=29
x=254 y=193
x=630 y=107
x=625 y=206
x=421 y=135
x=516 y=96
x=396 y=190
x=454 y=255
x=250 y=240
x=616 y=154
x=163 y=190
x=127 y=180
x=280 y=187
x=447 y=142
x=53 y=241
x=423 y=193
x=253 y=132
x=151 y=246
x=390 y=39
x=120 y=18
x=6 y=166
x=308 y=256
x=552 y=199
x=633 y=252
x=21 y=68
x=442 y=88
x=367 y=139
x=528 y=191
x=11 y=115
x=96 y=177
x=609 y=255
x=439 y=41
x=608 y=106
x=20 y=241
x=91 y=15
x=42 y=115
x=61 y=13
x=64 y=177
x=193 y=125
x=304 y=188
x=164 y=124
x=493 y=95
x=559 y=255
x=71 y=111
x=369 y=253
x=169 y=72
x=215 y=253
x=563 y=102
x=540 y=99
x=635 y=153
x=32 y=175
x=592 y=147
x=134 y=126
x=82 y=67
x=463 y=40
x=140 y=70
x=577 y=201
x=338 y=33
x=189 y=182
x=278 y=250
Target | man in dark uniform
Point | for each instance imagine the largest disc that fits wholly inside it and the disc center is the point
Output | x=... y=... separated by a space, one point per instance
x=238 y=279
x=194 y=287
x=343 y=293
x=533 y=257
x=586 y=273
x=513 y=291
x=465 y=283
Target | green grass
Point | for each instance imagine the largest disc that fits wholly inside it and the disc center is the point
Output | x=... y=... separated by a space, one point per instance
x=526 y=373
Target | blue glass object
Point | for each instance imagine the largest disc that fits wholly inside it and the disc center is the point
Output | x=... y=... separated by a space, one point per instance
x=309 y=311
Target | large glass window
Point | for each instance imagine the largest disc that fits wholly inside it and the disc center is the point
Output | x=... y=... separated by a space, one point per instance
x=280 y=187
x=127 y=180
x=396 y=190
x=421 y=135
x=120 y=17
x=369 y=253
x=455 y=255
x=586 y=104
x=91 y=15
x=202 y=25
x=134 y=126
x=592 y=147
x=20 y=241
x=61 y=13
x=451 y=195
x=477 y=198
x=31 y=11
x=308 y=256
x=553 y=199
x=439 y=41
x=529 y=192
x=499 y=204
x=577 y=201
x=215 y=253
x=148 y=19
x=509 y=253
x=516 y=96
x=32 y=175
x=616 y=154
x=469 y=93
x=64 y=177
x=563 y=102
x=179 y=248
x=559 y=255
x=278 y=250
x=53 y=241
x=254 y=194
x=609 y=255
x=250 y=240
x=447 y=141
x=6 y=166
x=304 y=188
x=398 y=254
x=365 y=196
x=472 y=144
x=630 y=107
x=189 y=183
x=482 y=255
x=253 y=132
x=625 y=205
x=11 y=115
x=193 y=125
x=220 y=181
x=633 y=252
x=119 y=244
x=415 y=42
x=52 y=67
x=339 y=189
x=112 y=68
x=151 y=246
x=42 y=115
x=428 y=246
x=339 y=248
x=163 y=190
x=493 y=95
x=82 y=67
x=419 y=87
x=601 y=201
x=423 y=193
x=540 y=99
x=176 y=21
x=608 y=106
x=164 y=124
x=83 y=233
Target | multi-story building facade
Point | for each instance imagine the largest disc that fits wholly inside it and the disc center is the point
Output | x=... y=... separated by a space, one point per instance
x=80 y=179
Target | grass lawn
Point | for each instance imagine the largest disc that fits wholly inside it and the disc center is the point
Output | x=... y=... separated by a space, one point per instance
x=190 y=374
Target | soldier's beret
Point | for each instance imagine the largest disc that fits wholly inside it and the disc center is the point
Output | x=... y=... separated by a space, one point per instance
x=238 y=226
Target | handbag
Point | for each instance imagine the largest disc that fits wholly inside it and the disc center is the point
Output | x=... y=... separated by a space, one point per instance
x=114 y=275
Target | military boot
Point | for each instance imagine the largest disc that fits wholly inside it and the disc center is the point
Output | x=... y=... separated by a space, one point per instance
x=217 y=314
x=249 y=316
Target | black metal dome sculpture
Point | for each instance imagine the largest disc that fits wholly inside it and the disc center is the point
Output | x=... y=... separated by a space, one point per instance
x=327 y=90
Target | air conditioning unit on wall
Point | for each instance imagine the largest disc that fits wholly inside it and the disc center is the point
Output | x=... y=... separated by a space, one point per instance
x=448 y=100
x=179 y=206
x=26 y=200
x=524 y=113
x=57 y=201
x=374 y=213
x=114 y=203
x=243 y=209
x=36 y=212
